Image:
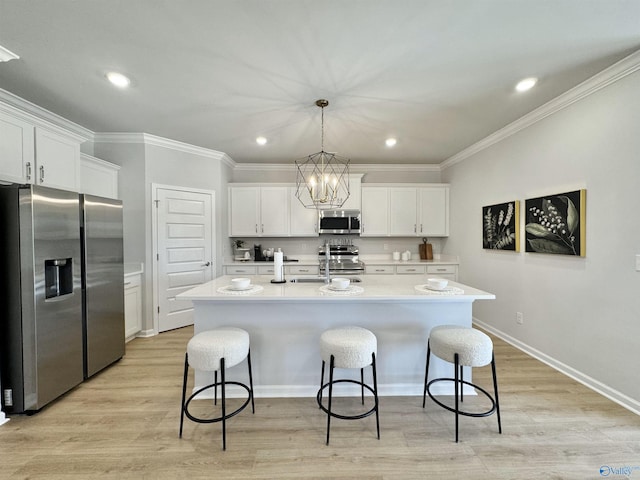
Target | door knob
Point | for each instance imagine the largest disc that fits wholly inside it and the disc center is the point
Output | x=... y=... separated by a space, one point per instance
x=206 y=264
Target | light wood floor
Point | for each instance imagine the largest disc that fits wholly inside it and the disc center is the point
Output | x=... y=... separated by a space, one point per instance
x=124 y=424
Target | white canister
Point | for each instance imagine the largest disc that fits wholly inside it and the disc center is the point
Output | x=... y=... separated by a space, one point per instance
x=408 y=254
x=396 y=256
x=405 y=256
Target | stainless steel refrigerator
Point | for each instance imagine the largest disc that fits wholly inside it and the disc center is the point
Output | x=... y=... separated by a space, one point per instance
x=102 y=282
x=40 y=296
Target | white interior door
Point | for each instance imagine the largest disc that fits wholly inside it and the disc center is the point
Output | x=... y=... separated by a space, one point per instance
x=184 y=251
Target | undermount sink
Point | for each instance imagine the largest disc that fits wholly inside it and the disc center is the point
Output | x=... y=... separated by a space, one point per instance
x=319 y=280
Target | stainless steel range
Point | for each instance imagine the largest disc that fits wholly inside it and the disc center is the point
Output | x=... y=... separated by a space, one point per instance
x=343 y=259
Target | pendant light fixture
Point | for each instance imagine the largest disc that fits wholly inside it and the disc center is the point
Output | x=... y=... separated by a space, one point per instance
x=322 y=179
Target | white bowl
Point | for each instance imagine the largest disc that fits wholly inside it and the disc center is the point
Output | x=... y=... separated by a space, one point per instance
x=340 y=283
x=437 y=283
x=240 y=283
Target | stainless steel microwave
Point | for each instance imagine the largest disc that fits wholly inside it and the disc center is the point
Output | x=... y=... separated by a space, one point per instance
x=339 y=222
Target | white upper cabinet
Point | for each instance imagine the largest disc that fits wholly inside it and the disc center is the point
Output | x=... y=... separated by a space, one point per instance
x=274 y=211
x=258 y=211
x=374 y=221
x=433 y=211
x=354 y=201
x=303 y=222
x=57 y=160
x=98 y=177
x=405 y=210
x=17 y=153
x=31 y=154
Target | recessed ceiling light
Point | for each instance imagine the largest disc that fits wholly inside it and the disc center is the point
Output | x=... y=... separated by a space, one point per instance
x=526 y=84
x=6 y=54
x=118 y=79
x=261 y=141
x=390 y=142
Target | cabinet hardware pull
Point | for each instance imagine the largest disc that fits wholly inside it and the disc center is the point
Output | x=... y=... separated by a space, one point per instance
x=420 y=228
x=206 y=264
x=28 y=170
x=41 y=173
x=262 y=230
x=256 y=228
x=415 y=228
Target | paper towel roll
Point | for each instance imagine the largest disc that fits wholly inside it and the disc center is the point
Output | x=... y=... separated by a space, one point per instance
x=277 y=266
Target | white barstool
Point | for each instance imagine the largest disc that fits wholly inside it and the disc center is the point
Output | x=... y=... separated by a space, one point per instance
x=211 y=351
x=462 y=346
x=348 y=347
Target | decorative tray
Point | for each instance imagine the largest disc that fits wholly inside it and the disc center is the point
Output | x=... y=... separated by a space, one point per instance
x=444 y=291
x=350 y=290
x=229 y=290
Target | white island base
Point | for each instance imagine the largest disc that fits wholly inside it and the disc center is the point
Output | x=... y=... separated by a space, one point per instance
x=285 y=322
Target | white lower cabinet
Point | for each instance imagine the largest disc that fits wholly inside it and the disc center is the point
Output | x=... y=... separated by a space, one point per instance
x=411 y=269
x=132 y=305
x=267 y=269
x=379 y=269
x=450 y=272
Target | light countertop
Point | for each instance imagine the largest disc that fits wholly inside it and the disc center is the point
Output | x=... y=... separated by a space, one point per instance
x=375 y=288
x=367 y=259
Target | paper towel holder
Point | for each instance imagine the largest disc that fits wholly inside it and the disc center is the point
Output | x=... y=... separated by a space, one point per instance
x=281 y=276
x=280 y=281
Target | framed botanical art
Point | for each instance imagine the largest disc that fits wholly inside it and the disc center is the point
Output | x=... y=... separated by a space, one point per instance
x=501 y=226
x=556 y=223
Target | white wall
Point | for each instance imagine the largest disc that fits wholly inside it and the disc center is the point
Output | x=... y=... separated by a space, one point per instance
x=580 y=314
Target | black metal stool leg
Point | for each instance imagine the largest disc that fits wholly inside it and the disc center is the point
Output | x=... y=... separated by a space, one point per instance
x=253 y=407
x=321 y=382
x=215 y=388
x=375 y=391
x=362 y=383
x=455 y=358
x=331 y=362
x=495 y=390
x=224 y=404
x=426 y=375
x=184 y=391
x=461 y=384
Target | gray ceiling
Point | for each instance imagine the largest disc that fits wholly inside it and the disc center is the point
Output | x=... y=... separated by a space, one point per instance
x=438 y=75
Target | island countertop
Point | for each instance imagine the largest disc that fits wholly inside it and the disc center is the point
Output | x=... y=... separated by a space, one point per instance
x=375 y=288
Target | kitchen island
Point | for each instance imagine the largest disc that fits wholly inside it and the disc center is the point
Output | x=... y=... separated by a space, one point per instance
x=285 y=321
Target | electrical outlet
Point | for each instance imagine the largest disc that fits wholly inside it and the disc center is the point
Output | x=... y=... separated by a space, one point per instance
x=519 y=318
x=385 y=246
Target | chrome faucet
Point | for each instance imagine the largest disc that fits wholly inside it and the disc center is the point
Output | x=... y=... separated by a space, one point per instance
x=327 y=257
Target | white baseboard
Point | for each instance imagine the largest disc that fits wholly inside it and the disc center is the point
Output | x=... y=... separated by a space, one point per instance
x=599 y=387
x=3 y=419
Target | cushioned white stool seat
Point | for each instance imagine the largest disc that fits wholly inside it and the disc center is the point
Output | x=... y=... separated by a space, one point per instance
x=351 y=347
x=474 y=348
x=348 y=347
x=464 y=347
x=206 y=349
x=213 y=351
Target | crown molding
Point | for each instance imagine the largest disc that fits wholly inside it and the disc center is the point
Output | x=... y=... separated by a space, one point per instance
x=148 y=139
x=354 y=168
x=40 y=117
x=606 y=77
